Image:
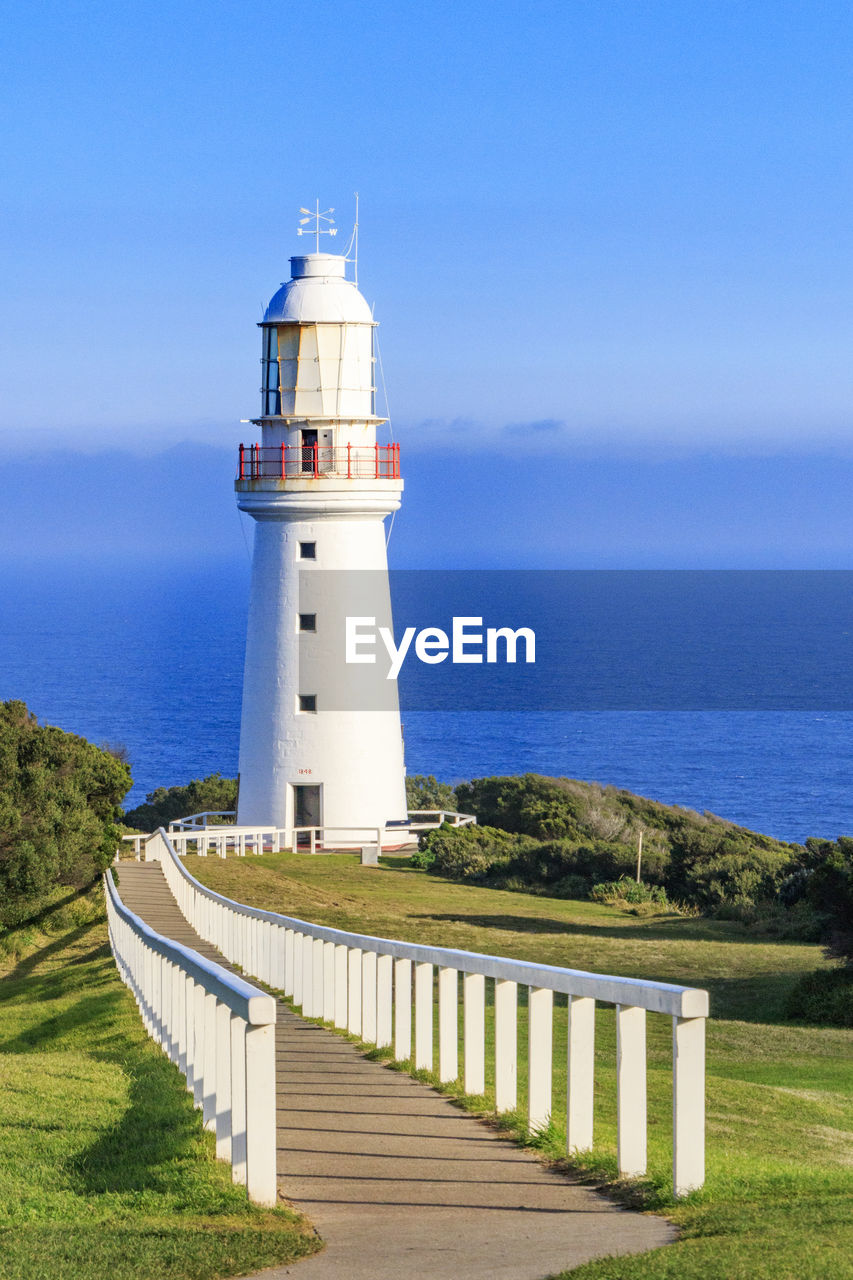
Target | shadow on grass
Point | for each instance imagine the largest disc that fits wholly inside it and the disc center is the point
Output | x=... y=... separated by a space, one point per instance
x=86 y=1008
x=660 y=928
x=32 y=920
x=157 y=1132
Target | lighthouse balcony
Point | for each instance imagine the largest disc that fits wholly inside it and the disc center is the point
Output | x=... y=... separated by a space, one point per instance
x=318 y=462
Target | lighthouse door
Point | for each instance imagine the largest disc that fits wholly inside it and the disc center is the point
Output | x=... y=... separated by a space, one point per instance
x=306 y=811
x=309 y=451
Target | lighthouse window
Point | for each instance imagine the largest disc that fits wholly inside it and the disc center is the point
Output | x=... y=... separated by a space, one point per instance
x=308 y=551
x=307 y=622
x=272 y=394
x=307 y=702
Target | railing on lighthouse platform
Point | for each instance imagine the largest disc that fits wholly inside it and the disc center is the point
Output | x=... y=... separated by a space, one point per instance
x=294 y=461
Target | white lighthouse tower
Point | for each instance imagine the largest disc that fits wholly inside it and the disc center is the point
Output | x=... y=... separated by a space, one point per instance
x=319 y=488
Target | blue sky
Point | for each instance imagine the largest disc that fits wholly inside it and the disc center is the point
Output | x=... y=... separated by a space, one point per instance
x=594 y=232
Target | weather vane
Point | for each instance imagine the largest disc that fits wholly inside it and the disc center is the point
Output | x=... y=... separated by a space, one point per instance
x=317 y=230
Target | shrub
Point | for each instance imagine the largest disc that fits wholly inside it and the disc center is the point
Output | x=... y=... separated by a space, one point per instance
x=423 y=791
x=627 y=892
x=422 y=859
x=527 y=805
x=825 y=997
x=830 y=892
x=59 y=798
x=572 y=886
x=167 y=804
x=469 y=853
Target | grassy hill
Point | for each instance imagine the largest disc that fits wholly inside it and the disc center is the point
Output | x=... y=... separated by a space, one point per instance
x=780 y=1114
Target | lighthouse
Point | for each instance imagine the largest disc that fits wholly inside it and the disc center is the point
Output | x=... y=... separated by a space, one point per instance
x=319 y=487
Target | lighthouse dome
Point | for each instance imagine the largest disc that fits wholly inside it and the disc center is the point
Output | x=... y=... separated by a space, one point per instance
x=318 y=293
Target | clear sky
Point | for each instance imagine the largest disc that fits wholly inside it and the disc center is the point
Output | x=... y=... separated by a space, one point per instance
x=630 y=222
x=610 y=245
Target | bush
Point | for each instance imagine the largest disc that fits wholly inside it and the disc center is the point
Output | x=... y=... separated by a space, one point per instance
x=166 y=805
x=825 y=997
x=469 y=853
x=627 y=892
x=572 y=886
x=59 y=805
x=830 y=892
x=527 y=805
x=425 y=792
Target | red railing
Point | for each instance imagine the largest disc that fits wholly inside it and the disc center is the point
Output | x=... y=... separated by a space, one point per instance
x=349 y=462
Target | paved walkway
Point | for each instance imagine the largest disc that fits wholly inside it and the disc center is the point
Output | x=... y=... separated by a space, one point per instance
x=401 y=1184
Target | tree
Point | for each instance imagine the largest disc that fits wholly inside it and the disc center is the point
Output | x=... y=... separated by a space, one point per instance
x=425 y=792
x=166 y=804
x=59 y=805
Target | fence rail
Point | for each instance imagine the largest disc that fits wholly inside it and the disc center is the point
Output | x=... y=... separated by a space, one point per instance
x=431 y=819
x=220 y=840
x=220 y=1033
x=383 y=991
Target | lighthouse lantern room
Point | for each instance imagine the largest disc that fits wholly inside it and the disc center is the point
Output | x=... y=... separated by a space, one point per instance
x=319 y=487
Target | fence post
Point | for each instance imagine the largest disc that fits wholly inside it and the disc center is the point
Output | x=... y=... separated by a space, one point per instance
x=328 y=981
x=688 y=1104
x=368 y=996
x=238 y=1099
x=402 y=1009
x=307 y=975
x=341 y=986
x=208 y=1109
x=354 y=993
x=317 y=973
x=474 y=1033
x=448 y=1024
x=296 y=993
x=540 y=1006
x=630 y=1090
x=423 y=1016
x=580 y=1074
x=189 y=1033
x=260 y=1114
x=223 y=1082
x=506 y=1044
x=199 y=1046
x=384 y=1000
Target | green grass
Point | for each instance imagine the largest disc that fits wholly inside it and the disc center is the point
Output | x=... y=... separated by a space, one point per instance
x=780 y=1114
x=105 y=1170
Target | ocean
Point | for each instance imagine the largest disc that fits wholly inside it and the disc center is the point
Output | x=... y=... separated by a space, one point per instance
x=724 y=693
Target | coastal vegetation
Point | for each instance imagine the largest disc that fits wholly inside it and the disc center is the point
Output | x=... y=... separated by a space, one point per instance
x=167 y=804
x=571 y=839
x=59 y=810
x=779 y=1098
x=577 y=840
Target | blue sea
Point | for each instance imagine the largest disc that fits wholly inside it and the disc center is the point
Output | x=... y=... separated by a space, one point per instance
x=726 y=693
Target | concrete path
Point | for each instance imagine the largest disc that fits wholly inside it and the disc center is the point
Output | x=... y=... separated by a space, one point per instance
x=401 y=1184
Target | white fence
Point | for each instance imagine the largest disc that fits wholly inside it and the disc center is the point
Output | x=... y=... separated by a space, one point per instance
x=383 y=991
x=221 y=840
x=199 y=819
x=419 y=819
x=218 y=1030
x=432 y=819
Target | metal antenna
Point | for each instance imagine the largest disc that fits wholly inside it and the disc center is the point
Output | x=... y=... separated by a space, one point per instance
x=317 y=230
x=355 y=240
